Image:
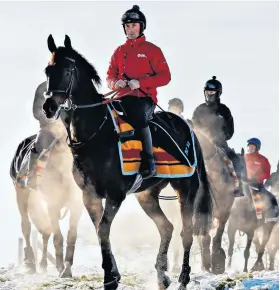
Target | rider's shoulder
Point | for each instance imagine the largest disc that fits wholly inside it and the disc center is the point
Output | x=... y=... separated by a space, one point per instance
x=118 y=49
x=224 y=107
x=201 y=106
x=151 y=45
x=263 y=158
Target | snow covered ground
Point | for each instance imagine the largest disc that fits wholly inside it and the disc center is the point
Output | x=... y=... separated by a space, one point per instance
x=134 y=242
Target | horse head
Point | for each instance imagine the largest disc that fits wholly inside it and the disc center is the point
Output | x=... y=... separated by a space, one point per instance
x=67 y=73
x=70 y=84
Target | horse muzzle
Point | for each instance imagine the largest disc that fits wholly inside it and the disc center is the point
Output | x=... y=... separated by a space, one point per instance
x=51 y=108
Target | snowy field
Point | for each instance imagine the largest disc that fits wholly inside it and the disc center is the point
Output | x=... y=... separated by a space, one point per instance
x=134 y=243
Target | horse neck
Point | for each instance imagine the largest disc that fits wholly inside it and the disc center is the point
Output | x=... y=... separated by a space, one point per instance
x=60 y=157
x=87 y=121
x=208 y=148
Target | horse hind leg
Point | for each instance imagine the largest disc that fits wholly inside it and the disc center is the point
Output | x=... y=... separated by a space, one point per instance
x=54 y=214
x=267 y=229
x=231 y=237
x=250 y=236
x=40 y=219
x=149 y=201
x=272 y=253
x=22 y=202
x=187 y=189
x=177 y=247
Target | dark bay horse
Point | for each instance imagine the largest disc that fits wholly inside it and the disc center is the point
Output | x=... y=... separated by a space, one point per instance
x=97 y=169
x=58 y=191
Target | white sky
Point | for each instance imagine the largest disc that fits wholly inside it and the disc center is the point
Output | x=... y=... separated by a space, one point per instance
x=236 y=41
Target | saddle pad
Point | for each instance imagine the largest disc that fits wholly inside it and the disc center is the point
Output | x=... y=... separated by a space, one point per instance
x=129 y=153
x=258 y=202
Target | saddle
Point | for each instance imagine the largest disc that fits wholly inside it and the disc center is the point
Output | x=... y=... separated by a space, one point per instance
x=173 y=144
x=19 y=166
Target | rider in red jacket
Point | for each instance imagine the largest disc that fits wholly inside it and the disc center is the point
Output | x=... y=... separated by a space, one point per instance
x=258 y=167
x=145 y=65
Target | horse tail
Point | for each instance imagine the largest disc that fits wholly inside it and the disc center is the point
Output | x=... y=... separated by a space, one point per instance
x=203 y=212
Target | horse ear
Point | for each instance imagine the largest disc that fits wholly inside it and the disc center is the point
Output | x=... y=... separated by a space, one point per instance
x=242 y=151
x=67 y=42
x=51 y=44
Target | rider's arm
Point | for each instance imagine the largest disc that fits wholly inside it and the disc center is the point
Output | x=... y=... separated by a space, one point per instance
x=265 y=174
x=38 y=102
x=113 y=71
x=224 y=111
x=160 y=68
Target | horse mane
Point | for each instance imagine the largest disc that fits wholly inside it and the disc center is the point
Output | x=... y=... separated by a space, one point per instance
x=71 y=53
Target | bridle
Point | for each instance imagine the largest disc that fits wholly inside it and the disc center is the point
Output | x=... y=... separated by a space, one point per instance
x=68 y=105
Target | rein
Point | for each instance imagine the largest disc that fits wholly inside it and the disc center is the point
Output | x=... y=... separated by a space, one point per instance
x=69 y=105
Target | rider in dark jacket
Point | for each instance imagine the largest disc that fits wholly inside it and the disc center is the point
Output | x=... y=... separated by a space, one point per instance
x=45 y=136
x=214 y=120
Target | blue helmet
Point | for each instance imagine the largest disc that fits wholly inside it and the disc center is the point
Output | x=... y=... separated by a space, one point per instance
x=256 y=142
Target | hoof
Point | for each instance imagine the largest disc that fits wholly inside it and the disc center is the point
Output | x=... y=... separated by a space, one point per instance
x=60 y=270
x=43 y=266
x=29 y=269
x=182 y=287
x=112 y=285
x=218 y=262
x=259 y=266
x=165 y=283
x=206 y=268
x=66 y=273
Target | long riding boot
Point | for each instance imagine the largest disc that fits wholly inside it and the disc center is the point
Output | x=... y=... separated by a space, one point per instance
x=32 y=170
x=148 y=167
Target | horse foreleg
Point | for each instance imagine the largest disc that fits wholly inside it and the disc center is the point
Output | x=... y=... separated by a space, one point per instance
x=272 y=253
x=22 y=202
x=204 y=244
x=267 y=229
x=187 y=210
x=250 y=236
x=231 y=236
x=44 y=261
x=75 y=214
x=149 y=201
x=218 y=253
x=54 y=214
x=111 y=272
